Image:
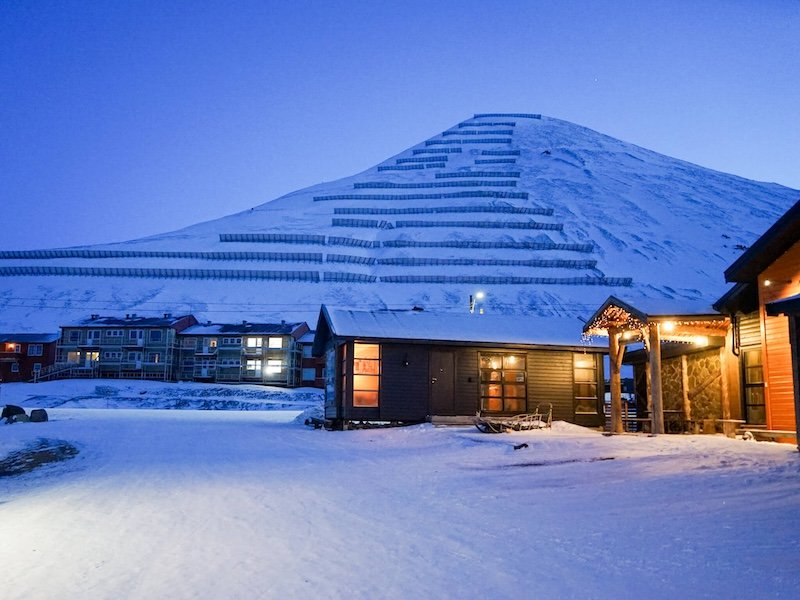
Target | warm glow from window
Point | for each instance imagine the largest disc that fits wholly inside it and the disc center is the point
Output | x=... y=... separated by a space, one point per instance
x=275 y=342
x=366 y=375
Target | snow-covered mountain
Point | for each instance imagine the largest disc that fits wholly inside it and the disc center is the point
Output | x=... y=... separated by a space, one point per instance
x=543 y=216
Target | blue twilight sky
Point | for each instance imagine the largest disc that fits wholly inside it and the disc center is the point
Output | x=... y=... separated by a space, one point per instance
x=125 y=119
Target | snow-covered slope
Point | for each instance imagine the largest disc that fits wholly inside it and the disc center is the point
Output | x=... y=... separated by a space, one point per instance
x=544 y=216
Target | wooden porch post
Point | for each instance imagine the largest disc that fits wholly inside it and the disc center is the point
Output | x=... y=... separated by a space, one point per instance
x=727 y=428
x=615 y=351
x=655 y=378
x=687 y=404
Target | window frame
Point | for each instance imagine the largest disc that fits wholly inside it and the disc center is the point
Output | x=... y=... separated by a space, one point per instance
x=578 y=398
x=368 y=370
x=497 y=377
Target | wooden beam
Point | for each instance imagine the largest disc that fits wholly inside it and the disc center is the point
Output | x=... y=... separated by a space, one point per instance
x=615 y=351
x=655 y=378
x=727 y=428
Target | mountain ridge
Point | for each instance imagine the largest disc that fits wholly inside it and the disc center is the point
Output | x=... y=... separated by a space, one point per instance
x=544 y=216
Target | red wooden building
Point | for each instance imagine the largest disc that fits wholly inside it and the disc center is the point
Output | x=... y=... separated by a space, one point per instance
x=24 y=355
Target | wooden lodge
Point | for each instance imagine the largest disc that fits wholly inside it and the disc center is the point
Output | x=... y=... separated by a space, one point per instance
x=413 y=366
x=764 y=306
x=734 y=367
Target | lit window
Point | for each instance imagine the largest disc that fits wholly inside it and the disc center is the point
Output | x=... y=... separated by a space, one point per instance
x=366 y=375
x=503 y=383
x=253 y=367
x=585 y=384
x=274 y=366
x=276 y=342
x=253 y=343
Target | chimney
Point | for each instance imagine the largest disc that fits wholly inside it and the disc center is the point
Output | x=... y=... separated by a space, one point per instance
x=94 y=317
x=244 y=322
x=283 y=321
x=167 y=315
x=128 y=316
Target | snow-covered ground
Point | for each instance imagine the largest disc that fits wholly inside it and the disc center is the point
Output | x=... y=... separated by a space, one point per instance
x=252 y=504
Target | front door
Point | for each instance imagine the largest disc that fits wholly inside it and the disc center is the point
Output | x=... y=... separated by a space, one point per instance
x=442 y=383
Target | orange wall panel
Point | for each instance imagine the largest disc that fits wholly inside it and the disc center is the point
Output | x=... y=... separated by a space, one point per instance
x=784 y=281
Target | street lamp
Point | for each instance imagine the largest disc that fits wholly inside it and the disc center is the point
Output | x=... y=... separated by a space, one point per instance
x=474 y=299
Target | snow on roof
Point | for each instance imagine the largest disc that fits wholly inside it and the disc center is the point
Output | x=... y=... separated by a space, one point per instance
x=33 y=338
x=242 y=329
x=669 y=306
x=308 y=337
x=453 y=327
x=131 y=320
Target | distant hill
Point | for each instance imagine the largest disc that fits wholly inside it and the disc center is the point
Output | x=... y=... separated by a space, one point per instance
x=542 y=215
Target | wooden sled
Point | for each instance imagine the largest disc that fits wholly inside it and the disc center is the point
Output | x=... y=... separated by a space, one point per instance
x=541 y=418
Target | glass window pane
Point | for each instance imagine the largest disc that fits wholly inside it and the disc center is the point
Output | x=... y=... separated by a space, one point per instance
x=515 y=405
x=365 y=399
x=584 y=361
x=488 y=375
x=586 y=390
x=366 y=351
x=366 y=367
x=514 y=391
x=514 y=376
x=492 y=390
x=586 y=406
x=275 y=342
x=754 y=374
x=366 y=382
x=514 y=361
x=493 y=404
x=752 y=358
x=491 y=361
x=585 y=375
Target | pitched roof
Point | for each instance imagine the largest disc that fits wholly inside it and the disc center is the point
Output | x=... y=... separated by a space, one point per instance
x=450 y=327
x=132 y=320
x=245 y=328
x=29 y=338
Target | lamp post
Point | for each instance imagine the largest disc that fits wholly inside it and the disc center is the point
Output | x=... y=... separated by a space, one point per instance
x=474 y=299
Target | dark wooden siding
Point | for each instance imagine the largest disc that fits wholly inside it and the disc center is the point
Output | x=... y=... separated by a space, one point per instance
x=467 y=381
x=749 y=330
x=550 y=380
x=404 y=382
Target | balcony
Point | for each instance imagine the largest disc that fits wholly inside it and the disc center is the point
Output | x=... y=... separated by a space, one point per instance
x=206 y=351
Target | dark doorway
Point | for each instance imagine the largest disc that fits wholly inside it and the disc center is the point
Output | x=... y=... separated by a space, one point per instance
x=442 y=382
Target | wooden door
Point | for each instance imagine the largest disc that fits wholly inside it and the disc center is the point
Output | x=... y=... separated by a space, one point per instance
x=442 y=382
